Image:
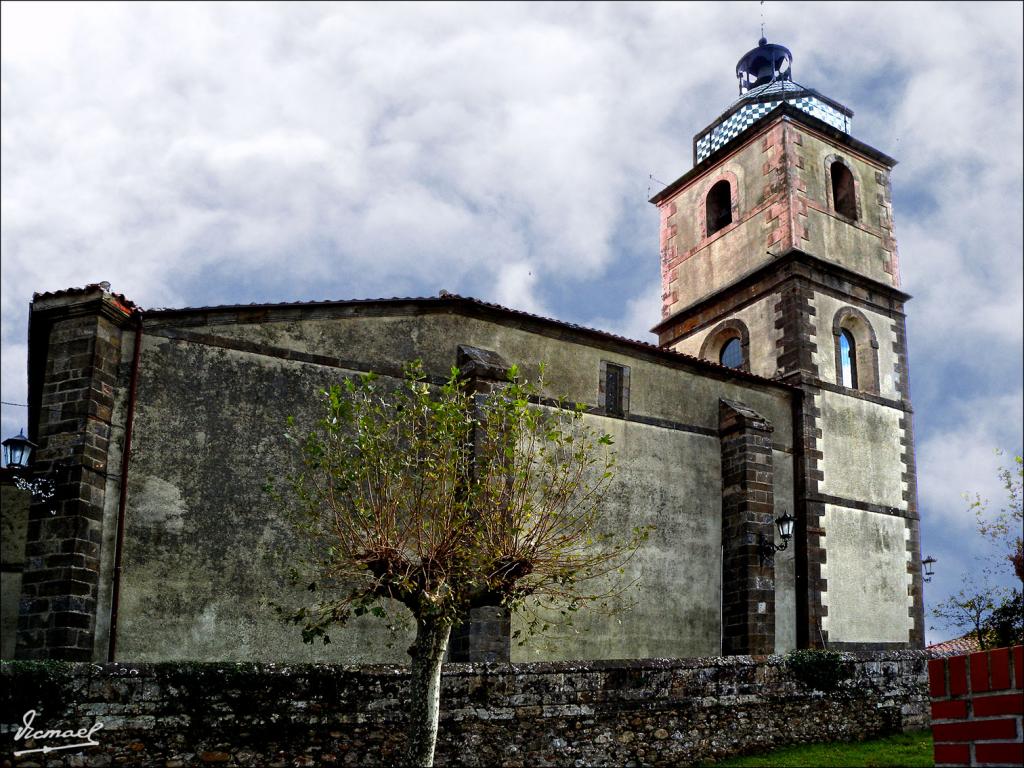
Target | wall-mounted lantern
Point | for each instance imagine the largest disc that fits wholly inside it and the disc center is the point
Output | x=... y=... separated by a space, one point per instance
x=785 y=525
x=18 y=451
x=18 y=455
x=927 y=563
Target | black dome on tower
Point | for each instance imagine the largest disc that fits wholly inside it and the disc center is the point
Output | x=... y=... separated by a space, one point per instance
x=765 y=75
x=767 y=63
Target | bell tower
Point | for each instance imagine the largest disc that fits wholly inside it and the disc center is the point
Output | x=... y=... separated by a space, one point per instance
x=778 y=257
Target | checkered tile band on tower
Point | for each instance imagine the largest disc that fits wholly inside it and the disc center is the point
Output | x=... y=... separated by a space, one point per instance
x=748 y=114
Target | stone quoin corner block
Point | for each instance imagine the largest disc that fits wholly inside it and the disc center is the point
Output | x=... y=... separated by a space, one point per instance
x=748 y=513
x=75 y=353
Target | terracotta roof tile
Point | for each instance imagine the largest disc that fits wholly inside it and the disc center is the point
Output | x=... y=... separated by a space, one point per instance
x=105 y=287
x=957 y=646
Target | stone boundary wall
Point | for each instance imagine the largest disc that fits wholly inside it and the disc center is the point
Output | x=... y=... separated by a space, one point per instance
x=978 y=708
x=648 y=712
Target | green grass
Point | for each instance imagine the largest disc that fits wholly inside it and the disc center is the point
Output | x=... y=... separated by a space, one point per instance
x=913 y=750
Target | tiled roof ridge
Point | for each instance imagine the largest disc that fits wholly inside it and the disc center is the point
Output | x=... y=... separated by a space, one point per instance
x=88 y=288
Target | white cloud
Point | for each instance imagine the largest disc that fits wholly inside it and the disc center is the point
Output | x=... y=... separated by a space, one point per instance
x=642 y=312
x=955 y=466
x=515 y=288
x=963 y=459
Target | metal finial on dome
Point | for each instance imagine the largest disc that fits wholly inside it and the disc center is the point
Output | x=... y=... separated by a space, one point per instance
x=765 y=64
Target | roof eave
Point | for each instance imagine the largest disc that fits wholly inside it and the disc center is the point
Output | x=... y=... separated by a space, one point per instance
x=471 y=306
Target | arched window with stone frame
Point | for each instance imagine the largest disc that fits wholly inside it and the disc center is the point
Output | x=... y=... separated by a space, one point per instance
x=718 y=207
x=842 y=188
x=728 y=344
x=856 y=351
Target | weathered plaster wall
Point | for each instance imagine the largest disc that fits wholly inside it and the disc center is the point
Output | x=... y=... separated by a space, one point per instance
x=814 y=150
x=690 y=228
x=863 y=456
x=863 y=246
x=760 y=318
x=867 y=598
x=664 y=712
x=14 y=504
x=203 y=547
x=678 y=603
x=691 y=344
x=657 y=390
x=836 y=240
x=205 y=553
x=112 y=500
x=696 y=265
x=726 y=256
x=785 y=564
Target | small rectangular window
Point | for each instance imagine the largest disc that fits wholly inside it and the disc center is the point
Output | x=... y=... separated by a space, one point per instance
x=613 y=389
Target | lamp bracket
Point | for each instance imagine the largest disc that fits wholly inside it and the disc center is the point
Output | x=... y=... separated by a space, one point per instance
x=42 y=486
x=767 y=548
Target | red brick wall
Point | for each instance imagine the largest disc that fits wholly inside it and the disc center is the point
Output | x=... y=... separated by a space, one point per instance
x=978 y=707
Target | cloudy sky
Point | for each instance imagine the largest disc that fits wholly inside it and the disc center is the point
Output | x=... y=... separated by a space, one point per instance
x=198 y=154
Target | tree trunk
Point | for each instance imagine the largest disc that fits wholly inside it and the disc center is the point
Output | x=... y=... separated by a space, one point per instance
x=427 y=653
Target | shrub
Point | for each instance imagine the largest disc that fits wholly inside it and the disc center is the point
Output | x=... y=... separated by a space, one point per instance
x=821 y=670
x=1005 y=626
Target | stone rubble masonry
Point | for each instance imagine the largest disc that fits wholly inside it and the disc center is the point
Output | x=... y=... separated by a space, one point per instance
x=81 y=337
x=978 y=708
x=658 y=712
x=748 y=506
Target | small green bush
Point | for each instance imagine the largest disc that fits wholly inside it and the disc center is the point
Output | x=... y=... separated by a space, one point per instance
x=821 y=670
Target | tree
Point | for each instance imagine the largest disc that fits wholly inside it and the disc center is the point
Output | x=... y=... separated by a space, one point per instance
x=1005 y=624
x=995 y=615
x=971 y=608
x=1003 y=528
x=1004 y=627
x=443 y=500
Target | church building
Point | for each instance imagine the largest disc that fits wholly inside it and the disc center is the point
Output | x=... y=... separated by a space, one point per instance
x=777 y=393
